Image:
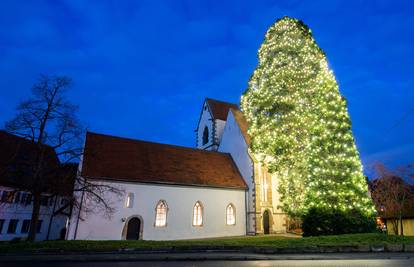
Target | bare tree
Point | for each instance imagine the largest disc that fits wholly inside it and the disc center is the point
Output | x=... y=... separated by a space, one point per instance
x=48 y=120
x=393 y=193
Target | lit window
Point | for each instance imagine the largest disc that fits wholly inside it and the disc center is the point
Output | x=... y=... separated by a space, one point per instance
x=230 y=215
x=7 y=196
x=205 y=136
x=197 y=214
x=161 y=214
x=129 y=200
x=263 y=180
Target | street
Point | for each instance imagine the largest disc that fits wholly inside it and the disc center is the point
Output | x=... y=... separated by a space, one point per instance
x=262 y=263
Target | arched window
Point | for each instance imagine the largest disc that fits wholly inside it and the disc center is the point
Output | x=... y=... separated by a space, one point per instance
x=129 y=202
x=161 y=214
x=230 y=215
x=205 y=136
x=197 y=214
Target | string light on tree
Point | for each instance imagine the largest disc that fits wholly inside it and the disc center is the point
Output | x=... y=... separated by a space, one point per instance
x=299 y=122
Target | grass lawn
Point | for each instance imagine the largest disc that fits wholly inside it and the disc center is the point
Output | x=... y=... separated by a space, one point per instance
x=245 y=241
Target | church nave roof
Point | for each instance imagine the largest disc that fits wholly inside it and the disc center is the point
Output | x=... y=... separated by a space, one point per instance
x=116 y=158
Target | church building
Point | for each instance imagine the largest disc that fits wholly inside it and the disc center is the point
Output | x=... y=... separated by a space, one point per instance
x=216 y=189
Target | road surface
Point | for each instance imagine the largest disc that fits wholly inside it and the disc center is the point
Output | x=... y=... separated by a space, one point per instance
x=261 y=263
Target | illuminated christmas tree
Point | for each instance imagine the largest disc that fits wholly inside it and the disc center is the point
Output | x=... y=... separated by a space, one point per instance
x=300 y=125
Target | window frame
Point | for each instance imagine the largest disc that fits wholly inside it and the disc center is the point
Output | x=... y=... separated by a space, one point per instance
x=12 y=229
x=161 y=201
x=2 y=222
x=129 y=200
x=24 y=230
x=233 y=214
x=17 y=197
x=39 y=226
x=206 y=136
x=7 y=197
x=201 y=212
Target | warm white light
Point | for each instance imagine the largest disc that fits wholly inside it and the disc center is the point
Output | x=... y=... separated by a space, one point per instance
x=197 y=214
x=129 y=200
x=230 y=215
x=161 y=214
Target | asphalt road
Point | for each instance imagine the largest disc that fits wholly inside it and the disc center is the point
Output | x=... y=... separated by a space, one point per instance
x=261 y=263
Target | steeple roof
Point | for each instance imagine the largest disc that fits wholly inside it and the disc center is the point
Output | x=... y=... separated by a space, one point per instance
x=220 y=109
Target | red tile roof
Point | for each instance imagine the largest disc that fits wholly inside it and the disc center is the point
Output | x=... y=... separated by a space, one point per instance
x=18 y=160
x=220 y=109
x=116 y=158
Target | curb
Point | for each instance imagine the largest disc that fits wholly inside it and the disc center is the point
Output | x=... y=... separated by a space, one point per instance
x=409 y=248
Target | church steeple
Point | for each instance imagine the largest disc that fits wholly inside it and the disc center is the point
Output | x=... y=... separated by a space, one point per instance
x=211 y=123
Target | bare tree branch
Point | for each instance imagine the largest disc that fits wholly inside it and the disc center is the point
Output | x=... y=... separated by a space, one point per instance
x=393 y=194
x=49 y=122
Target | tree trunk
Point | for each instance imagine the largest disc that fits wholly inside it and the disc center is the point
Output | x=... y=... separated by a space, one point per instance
x=401 y=225
x=395 y=226
x=35 y=216
x=51 y=218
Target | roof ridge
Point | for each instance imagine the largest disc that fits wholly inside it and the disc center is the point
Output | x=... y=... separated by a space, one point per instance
x=143 y=161
x=158 y=143
x=25 y=139
x=221 y=101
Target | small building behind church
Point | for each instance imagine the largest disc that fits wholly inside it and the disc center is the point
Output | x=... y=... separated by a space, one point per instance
x=170 y=192
x=16 y=204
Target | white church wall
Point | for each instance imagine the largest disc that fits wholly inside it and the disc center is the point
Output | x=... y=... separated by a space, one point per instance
x=180 y=201
x=219 y=130
x=233 y=142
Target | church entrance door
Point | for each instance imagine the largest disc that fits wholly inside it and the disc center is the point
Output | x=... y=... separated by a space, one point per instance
x=266 y=222
x=133 y=229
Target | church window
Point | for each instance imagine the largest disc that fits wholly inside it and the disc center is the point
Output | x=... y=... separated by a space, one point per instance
x=161 y=214
x=129 y=202
x=263 y=181
x=230 y=215
x=198 y=214
x=205 y=136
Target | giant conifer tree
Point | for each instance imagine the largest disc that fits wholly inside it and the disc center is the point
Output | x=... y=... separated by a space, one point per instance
x=300 y=125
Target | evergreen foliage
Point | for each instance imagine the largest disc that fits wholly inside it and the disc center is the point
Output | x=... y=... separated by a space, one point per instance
x=336 y=222
x=300 y=125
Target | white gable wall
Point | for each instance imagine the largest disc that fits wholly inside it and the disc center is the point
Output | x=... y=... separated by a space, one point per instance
x=180 y=201
x=233 y=142
x=205 y=120
x=220 y=125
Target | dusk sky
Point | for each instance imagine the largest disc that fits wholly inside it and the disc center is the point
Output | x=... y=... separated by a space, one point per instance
x=142 y=69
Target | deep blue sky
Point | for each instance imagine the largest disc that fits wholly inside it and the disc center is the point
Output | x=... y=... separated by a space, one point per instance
x=141 y=69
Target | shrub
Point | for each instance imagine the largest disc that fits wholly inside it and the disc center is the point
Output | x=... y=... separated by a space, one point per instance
x=336 y=222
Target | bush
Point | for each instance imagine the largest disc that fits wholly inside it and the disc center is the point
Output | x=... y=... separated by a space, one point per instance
x=16 y=240
x=336 y=222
